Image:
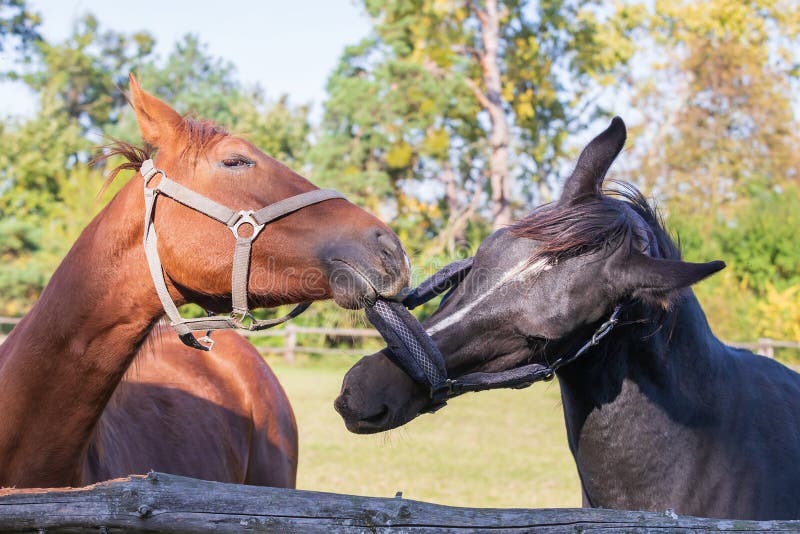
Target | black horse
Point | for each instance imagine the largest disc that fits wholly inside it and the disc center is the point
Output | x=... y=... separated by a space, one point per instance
x=660 y=414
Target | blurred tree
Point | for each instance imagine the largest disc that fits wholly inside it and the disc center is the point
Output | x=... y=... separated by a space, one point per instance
x=38 y=165
x=761 y=246
x=41 y=156
x=777 y=316
x=719 y=121
x=82 y=75
x=761 y=240
x=453 y=99
x=719 y=145
x=397 y=126
x=34 y=161
x=19 y=26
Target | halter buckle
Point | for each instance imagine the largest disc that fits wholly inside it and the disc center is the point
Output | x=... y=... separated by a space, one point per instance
x=245 y=217
x=239 y=316
x=207 y=341
x=439 y=395
x=604 y=329
x=443 y=390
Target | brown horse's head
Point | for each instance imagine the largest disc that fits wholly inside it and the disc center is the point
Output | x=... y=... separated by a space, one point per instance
x=330 y=249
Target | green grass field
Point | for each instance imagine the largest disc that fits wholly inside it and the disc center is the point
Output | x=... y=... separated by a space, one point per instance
x=490 y=449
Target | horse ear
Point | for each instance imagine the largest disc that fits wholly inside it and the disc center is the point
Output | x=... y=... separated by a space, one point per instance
x=594 y=162
x=643 y=275
x=158 y=123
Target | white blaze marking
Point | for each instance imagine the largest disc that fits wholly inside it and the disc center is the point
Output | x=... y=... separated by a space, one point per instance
x=520 y=271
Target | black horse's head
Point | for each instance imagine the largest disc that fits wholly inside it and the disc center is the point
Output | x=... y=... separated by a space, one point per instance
x=537 y=289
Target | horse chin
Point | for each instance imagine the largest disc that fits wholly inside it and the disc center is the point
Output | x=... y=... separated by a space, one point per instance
x=384 y=418
x=379 y=422
x=351 y=288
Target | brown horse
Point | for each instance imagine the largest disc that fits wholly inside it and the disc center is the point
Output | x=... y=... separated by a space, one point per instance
x=61 y=365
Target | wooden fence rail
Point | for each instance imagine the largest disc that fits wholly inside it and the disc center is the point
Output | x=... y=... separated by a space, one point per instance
x=168 y=503
x=766 y=347
x=291 y=346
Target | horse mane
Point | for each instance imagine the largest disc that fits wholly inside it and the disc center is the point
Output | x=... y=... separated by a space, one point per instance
x=597 y=225
x=199 y=134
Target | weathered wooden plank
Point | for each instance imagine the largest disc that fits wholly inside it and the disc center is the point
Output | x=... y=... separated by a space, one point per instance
x=169 y=503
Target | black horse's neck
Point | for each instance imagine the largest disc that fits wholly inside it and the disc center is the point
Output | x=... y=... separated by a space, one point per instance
x=676 y=349
x=647 y=388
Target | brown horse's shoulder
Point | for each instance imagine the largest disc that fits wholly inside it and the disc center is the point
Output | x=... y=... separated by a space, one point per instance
x=275 y=441
x=180 y=406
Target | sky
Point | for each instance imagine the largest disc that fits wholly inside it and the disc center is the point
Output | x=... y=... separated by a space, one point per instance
x=285 y=46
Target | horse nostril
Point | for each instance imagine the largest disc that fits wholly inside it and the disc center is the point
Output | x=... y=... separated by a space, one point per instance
x=387 y=245
x=340 y=404
x=390 y=250
x=389 y=265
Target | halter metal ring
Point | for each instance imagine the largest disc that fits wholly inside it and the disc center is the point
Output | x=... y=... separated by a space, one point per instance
x=246 y=217
x=206 y=339
x=238 y=317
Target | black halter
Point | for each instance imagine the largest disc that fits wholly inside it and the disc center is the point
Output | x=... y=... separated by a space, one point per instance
x=410 y=347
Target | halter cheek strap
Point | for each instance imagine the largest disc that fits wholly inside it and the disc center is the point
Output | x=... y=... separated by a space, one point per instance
x=240 y=317
x=445 y=279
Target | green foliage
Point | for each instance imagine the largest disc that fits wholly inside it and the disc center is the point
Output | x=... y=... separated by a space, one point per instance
x=762 y=240
x=754 y=295
x=80 y=77
x=387 y=125
x=19 y=26
x=35 y=160
x=20 y=277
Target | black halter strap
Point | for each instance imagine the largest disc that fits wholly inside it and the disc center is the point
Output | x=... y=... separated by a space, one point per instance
x=445 y=279
x=410 y=347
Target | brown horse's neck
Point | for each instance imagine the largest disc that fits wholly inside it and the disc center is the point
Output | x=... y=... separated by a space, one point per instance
x=60 y=365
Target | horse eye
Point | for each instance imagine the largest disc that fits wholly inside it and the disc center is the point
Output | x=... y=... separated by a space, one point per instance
x=235 y=162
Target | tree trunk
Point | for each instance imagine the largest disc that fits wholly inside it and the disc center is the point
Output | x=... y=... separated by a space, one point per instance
x=498 y=137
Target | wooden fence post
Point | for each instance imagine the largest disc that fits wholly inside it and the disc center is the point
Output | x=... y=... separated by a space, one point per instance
x=765 y=347
x=290 y=343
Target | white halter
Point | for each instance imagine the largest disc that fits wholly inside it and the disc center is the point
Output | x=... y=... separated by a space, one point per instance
x=240 y=317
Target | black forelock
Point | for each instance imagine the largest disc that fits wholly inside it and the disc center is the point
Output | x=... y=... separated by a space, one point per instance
x=599 y=224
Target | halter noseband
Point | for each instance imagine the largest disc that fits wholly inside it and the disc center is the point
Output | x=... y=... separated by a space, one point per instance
x=412 y=349
x=240 y=317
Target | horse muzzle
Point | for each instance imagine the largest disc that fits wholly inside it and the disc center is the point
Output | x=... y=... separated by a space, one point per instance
x=370 y=406
x=359 y=274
